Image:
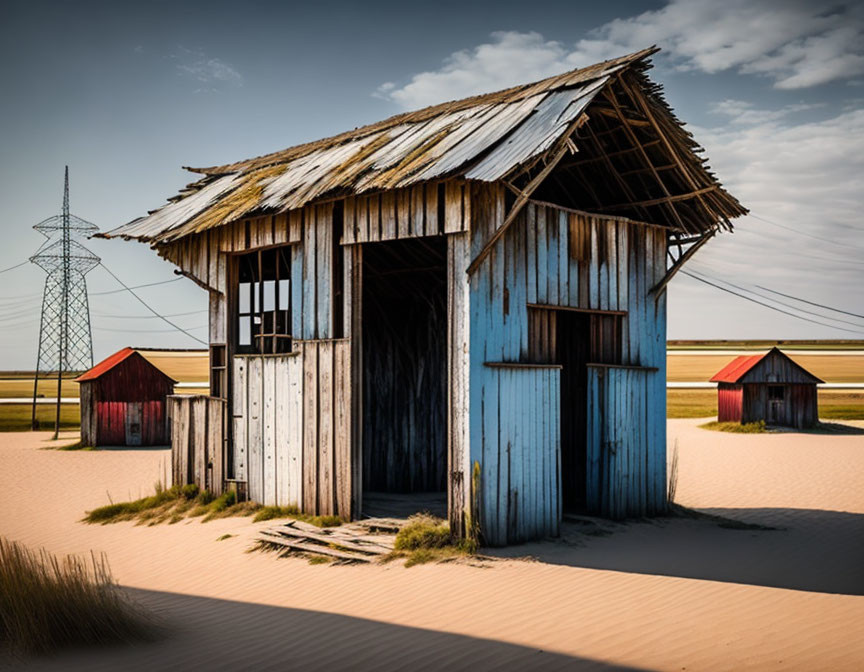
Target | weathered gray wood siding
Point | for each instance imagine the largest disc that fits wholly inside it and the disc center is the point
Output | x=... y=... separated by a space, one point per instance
x=458 y=375
x=423 y=210
x=292 y=427
x=196 y=441
x=776 y=367
x=87 y=398
x=799 y=407
x=555 y=257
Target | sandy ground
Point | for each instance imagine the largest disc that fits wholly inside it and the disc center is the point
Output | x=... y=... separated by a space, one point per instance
x=672 y=594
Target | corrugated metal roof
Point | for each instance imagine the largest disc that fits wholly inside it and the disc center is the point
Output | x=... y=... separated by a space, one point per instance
x=483 y=138
x=110 y=362
x=735 y=370
x=738 y=368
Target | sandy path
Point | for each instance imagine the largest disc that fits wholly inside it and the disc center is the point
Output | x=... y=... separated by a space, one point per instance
x=667 y=595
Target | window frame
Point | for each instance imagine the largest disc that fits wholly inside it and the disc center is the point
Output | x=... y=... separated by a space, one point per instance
x=268 y=313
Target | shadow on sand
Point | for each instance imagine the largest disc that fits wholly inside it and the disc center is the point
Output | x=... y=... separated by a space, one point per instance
x=211 y=634
x=808 y=549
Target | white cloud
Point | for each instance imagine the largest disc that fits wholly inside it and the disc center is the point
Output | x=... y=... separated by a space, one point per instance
x=796 y=43
x=510 y=58
x=743 y=112
x=805 y=176
x=206 y=69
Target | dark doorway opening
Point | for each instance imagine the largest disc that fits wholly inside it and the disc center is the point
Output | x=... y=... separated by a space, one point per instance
x=404 y=377
x=574 y=339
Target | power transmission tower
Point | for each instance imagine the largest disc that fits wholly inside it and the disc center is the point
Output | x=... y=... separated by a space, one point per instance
x=65 y=339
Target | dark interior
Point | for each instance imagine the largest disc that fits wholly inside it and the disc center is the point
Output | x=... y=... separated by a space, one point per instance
x=404 y=368
x=573 y=339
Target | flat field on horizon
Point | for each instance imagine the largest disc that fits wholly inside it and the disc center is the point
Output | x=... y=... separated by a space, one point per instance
x=687 y=363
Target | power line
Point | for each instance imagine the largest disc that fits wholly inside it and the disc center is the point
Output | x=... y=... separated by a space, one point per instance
x=783 y=303
x=147 y=331
x=802 y=233
x=779 y=310
x=147 y=306
x=12 y=268
x=836 y=310
x=26 y=261
x=147 y=317
x=129 y=289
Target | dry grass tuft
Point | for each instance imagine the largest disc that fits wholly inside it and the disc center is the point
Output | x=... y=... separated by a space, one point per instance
x=274 y=512
x=427 y=539
x=736 y=427
x=48 y=604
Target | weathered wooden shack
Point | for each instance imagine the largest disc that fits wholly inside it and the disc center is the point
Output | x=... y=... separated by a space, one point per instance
x=123 y=402
x=769 y=387
x=466 y=300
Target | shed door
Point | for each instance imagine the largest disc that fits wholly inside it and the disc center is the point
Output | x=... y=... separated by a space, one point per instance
x=776 y=400
x=521 y=453
x=133 y=424
x=626 y=471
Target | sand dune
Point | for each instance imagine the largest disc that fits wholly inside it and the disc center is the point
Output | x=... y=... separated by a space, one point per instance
x=670 y=594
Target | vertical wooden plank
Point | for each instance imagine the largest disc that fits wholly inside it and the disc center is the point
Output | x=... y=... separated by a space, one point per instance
x=417 y=210
x=452 y=207
x=403 y=212
x=215 y=444
x=310 y=427
x=431 y=225
x=489 y=477
x=255 y=472
x=268 y=432
x=374 y=217
x=309 y=315
x=342 y=427
x=593 y=265
x=573 y=260
x=553 y=257
x=542 y=257
x=325 y=428
x=282 y=395
x=239 y=419
x=531 y=252
x=295 y=225
x=563 y=260
x=458 y=371
x=388 y=215
x=362 y=219
x=296 y=289
x=349 y=220
x=324 y=271
x=356 y=340
x=294 y=432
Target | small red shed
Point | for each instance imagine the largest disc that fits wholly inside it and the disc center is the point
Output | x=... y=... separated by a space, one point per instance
x=123 y=402
x=770 y=387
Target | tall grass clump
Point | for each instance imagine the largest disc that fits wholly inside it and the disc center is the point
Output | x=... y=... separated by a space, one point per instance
x=48 y=604
x=427 y=539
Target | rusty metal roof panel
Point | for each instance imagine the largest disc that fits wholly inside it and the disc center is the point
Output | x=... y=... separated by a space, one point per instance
x=483 y=138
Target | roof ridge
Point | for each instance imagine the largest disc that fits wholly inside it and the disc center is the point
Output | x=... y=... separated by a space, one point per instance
x=510 y=94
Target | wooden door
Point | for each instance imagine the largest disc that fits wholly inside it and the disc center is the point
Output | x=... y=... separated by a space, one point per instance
x=133 y=424
x=776 y=400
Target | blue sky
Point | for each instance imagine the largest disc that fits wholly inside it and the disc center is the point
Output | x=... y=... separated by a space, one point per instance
x=127 y=93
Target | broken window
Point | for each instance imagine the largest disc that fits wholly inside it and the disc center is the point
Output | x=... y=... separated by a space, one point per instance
x=263 y=302
x=776 y=393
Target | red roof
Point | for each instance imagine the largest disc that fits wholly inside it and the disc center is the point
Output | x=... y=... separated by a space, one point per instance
x=737 y=368
x=109 y=363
